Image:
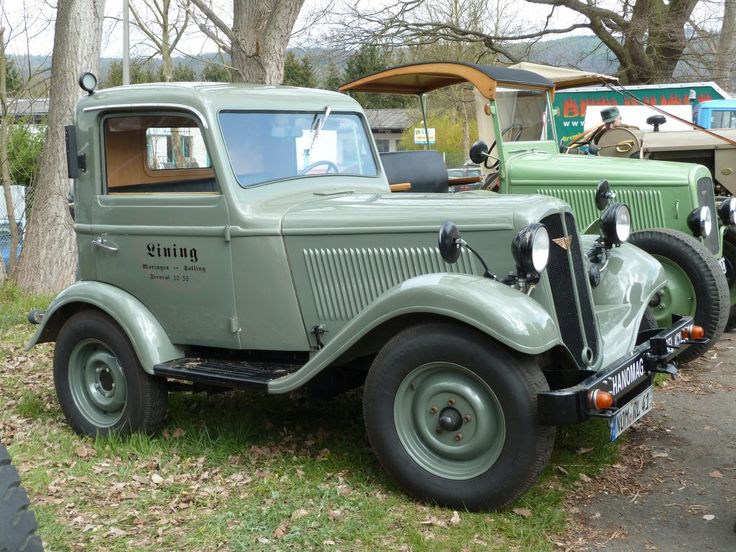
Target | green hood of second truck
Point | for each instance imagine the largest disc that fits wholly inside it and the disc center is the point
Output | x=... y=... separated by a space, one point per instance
x=540 y=169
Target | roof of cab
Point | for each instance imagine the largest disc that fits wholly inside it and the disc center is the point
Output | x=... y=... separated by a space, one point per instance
x=215 y=97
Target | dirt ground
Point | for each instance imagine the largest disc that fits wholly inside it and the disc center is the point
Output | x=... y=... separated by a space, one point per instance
x=675 y=486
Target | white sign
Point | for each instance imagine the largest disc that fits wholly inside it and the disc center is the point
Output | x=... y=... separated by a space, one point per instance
x=421 y=138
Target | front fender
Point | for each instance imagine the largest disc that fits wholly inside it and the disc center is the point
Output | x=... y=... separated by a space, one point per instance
x=629 y=281
x=149 y=340
x=503 y=313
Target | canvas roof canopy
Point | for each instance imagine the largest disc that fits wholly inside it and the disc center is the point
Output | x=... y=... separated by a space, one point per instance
x=565 y=77
x=420 y=78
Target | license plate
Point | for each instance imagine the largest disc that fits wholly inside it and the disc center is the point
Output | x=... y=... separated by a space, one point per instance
x=722 y=262
x=631 y=412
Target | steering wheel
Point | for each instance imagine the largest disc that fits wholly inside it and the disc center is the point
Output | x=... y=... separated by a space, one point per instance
x=516 y=125
x=330 y=167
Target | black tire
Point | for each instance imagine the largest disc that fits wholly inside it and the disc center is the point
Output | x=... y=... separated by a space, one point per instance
x=101 y=385
x=17 y=523
x=729 y=256
x=437 y=363
x=710 y=303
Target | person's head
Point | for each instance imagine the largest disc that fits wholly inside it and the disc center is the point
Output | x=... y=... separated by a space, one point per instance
x=611 y=117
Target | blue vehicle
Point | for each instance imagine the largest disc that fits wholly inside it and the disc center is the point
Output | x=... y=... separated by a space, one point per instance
x=715 y=114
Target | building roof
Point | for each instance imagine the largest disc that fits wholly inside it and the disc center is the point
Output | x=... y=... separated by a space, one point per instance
x=388 y=120
x=37 y=109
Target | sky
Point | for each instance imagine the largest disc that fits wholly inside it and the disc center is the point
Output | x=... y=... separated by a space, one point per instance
x=30 y=29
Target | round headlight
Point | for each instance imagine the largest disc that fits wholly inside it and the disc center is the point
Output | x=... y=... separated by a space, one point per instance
x=700 y=221
x=531 y=248
x=616 y=223
x=727 y=211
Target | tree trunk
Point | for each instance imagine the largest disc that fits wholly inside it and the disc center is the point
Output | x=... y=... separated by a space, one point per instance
x=260 y=35
x=49 y=257
x=5 y=162
x=724 y=63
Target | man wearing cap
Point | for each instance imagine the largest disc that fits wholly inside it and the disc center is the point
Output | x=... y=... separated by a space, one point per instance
x=611 y=119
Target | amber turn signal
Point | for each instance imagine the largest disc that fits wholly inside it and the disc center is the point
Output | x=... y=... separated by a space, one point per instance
x=693 y=332
x=600 y=399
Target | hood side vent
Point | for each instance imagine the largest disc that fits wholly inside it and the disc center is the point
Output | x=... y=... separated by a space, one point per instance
x=346 y=281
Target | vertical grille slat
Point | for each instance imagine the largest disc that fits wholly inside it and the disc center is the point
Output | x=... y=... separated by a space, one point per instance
x=346 y=281
x=566 y=283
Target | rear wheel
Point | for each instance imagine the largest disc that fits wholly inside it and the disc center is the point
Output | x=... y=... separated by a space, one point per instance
x=695 y=285
x=729 y=256
x=17 y=523
x=101 y=386
x=452 y=416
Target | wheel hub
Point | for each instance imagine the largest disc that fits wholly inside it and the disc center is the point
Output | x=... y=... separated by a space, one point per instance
x=450 y=419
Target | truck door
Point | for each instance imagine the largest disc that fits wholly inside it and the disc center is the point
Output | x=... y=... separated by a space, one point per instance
x=159 y=226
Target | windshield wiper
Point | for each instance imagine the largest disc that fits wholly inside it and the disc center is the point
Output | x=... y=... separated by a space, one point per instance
x=317 y=126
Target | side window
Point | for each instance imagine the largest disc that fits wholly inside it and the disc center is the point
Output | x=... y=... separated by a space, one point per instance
x=156 y=154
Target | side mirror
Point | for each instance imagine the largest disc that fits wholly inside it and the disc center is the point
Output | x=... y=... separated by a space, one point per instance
x=449 y=242
x=603 y=195
x=479 y=152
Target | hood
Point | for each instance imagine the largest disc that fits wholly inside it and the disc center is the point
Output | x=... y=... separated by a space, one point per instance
x=411 y=213
x=531 y=167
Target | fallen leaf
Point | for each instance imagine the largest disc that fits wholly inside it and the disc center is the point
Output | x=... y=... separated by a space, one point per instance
x=584 y=450
x=523 y=512
x=455 y=519
x=157 y=479
x=715 y=474
x=562 y=470
x=584 y=478
x=263 y=540
x=659 y=455
x=280 y=531
x=300 y=513
x=328 y=543
x=709 y=517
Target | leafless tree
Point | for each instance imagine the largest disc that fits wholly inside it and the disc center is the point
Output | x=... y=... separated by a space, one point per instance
x=257 y=39
x=49 y=255
x=163 y=23
x=647 y=37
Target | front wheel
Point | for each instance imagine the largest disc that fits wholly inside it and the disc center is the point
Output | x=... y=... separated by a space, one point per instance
x=452 y=416
x=695 y=285
x=101 y=386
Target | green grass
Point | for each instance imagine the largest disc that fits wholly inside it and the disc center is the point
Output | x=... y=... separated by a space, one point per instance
x=241 y=471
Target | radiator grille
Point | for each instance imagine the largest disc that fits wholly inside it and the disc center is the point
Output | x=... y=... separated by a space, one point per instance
x=565 y=283
x=706 y=196
x=645 y=205
x=346 y=281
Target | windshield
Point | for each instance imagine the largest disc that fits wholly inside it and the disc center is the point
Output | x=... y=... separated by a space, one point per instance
x=269 y=146
x=522 y=114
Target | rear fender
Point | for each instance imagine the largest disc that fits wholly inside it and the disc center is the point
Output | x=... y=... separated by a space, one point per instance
x=503 y=313
x=149 y=340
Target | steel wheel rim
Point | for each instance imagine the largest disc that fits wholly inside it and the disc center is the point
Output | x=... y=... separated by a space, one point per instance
x=678 y=295
x=461 y=453
x=97 y=383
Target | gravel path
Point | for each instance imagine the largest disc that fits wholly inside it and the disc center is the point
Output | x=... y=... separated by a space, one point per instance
x=675 y=488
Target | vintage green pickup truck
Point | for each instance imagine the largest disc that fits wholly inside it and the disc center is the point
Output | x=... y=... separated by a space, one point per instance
x=246 y=236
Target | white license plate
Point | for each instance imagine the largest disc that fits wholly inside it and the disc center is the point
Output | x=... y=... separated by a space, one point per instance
x=631 y=412
x=722 y=262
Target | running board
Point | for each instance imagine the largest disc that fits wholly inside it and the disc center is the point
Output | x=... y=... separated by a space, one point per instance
x=230 y=373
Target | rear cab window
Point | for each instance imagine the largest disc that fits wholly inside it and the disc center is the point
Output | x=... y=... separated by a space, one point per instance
x=156 y=154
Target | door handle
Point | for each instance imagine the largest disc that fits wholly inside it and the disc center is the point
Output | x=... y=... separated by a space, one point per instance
x=100 y=242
